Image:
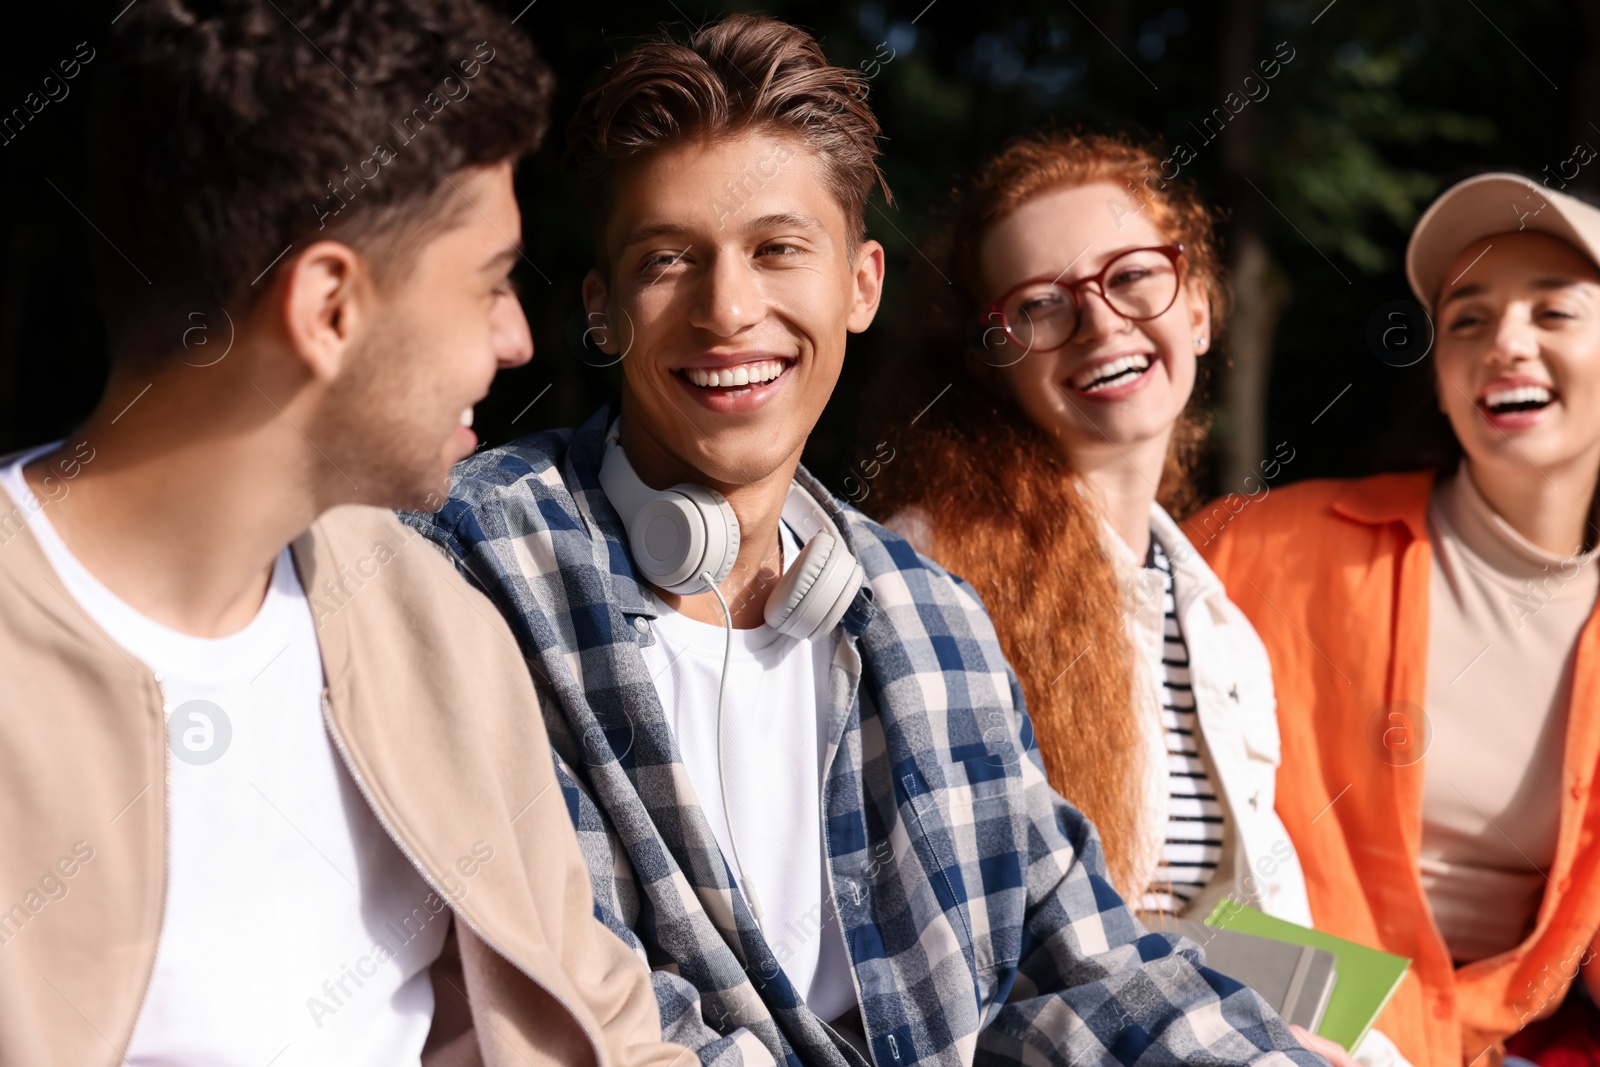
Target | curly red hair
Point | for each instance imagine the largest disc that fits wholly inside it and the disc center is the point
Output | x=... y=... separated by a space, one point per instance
x=999 y=498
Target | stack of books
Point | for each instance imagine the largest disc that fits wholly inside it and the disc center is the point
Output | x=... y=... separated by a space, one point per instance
x=1334 y=988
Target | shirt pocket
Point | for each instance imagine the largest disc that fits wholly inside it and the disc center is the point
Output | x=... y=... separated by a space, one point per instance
x=924 y=814
x=1258 y=728
x=968 y=829
x=1245 y=691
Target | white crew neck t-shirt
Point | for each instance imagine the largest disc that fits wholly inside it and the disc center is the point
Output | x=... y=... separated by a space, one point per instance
x=294 y=931
x=775 y=730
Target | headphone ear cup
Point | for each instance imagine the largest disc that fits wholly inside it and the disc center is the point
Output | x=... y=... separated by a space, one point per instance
x=668 y=540
x=816 y=591
x=721 y=526
x=674 y=535
x=680 y=534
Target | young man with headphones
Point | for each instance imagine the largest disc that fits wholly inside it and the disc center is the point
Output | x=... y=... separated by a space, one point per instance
x=796 y=757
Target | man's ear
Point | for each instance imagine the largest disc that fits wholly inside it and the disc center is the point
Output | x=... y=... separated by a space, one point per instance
x=598 y=328
x=326 y=304
x=867 y=275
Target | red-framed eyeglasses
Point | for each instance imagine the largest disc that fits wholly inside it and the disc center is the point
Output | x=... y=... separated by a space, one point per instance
x=1043 y=314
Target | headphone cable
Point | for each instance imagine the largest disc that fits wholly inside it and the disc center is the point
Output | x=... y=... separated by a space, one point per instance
x=722 y=777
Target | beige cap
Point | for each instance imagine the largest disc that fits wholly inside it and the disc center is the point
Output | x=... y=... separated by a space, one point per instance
x=1486 y=205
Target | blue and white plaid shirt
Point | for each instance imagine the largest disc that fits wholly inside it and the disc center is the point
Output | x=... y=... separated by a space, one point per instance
x=973 y=900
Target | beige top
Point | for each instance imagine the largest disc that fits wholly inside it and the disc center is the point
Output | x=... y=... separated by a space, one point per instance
x=1504 y=619
x=432 y=708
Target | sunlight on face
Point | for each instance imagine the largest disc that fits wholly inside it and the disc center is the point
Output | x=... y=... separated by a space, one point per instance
x=1114 y=381
x=731 y=296
x=1518 y=352
x=396 y=417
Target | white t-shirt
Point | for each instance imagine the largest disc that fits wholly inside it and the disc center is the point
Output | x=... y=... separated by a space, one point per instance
x=775 y=730
x=294 y=930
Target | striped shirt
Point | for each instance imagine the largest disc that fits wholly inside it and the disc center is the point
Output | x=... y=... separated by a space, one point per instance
x=1191 y=847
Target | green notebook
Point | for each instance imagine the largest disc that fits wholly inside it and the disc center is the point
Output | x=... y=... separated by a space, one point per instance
x=1367 y=977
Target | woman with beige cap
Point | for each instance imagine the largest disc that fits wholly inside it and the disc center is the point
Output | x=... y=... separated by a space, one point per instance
x=1434 y=646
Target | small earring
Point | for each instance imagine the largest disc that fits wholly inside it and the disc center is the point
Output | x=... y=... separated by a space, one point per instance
x=1199 y=342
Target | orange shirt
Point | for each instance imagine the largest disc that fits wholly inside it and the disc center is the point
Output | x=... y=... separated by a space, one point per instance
x=1335 y=577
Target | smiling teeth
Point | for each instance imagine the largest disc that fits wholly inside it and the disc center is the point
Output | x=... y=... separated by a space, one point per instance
x=1101 y=376
x=1522 y=394
x=466 y=417
x=744 y=374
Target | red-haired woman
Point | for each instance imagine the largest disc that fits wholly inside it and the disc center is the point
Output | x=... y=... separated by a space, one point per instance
x=1435 y=643
x=1058 y=430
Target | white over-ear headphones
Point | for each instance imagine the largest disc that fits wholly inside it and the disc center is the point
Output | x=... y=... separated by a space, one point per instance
x=676 y=535
x=680 y=535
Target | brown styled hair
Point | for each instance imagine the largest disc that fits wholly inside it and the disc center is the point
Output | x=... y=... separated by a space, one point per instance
x=740 y=75
x=1000 y=499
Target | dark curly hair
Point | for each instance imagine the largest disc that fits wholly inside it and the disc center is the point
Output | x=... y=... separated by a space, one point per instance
x=224 y=132
x=745 y=73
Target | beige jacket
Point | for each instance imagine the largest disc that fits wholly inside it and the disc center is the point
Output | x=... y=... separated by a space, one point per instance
x=428 y=701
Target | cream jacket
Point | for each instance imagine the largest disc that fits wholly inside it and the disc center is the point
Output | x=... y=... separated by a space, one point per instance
x=430 y=705
x=1238 y=716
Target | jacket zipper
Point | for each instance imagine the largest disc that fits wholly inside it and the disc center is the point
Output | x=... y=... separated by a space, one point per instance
x=405 y=850
x=166 y=870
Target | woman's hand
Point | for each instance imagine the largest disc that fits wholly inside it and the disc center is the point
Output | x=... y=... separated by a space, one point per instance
x=1328 y=1050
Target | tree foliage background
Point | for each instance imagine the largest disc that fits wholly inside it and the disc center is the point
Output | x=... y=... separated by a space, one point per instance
x=1318 y=178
